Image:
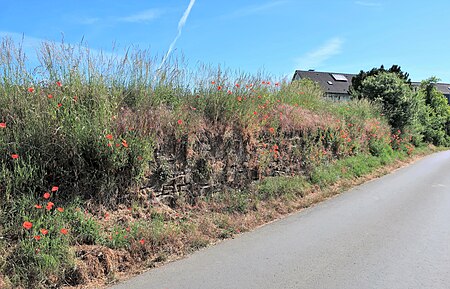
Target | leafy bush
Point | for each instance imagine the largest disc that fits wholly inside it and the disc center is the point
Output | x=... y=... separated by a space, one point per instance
x=397 y=100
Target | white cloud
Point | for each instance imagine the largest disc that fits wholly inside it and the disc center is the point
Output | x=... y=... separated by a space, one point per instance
x=254 y=9
x=316 y=58
x=142 y=17
x=88 y=20
x=368 y=4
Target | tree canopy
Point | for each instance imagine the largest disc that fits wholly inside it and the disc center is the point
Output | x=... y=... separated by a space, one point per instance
x=355 y=88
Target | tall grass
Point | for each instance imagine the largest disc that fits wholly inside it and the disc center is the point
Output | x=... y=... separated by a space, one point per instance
x=90 y=123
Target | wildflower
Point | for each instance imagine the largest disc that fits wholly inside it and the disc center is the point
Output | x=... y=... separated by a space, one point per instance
x=46 y=195
x=272 y=130
x=139 y=158
x=75 y=98
x=27 y=225
x=219 y=87
x=14 y=156
x=2 y=124
x=109 y=144
x=55 y=188
x=229 y=92
x=255 y=112
x=59 y=104
x=142 y=241
x=237 y=85
x=213 y=82
x=64 y=231
x=49 y=96
x=58 y=83
x=124 y=143
x=127 y=229
x=37 y=237
x=44 y=231
x=31 y=89
x=37 y=206
x=59 y=209
x=239 y=98
x=180 y=122
x=277 y=83
x=109 y=136
x=49 y=206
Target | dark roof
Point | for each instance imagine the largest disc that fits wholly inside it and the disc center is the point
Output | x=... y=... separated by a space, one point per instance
x=326 y=80
x=444 y=88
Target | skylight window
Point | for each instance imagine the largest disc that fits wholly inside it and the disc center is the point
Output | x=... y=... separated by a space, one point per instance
x=329 y=82
x=339 y=77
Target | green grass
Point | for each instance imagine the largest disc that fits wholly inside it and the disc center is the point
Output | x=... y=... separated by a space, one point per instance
x=91 y=124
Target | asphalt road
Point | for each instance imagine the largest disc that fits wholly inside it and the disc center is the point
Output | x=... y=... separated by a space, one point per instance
x=393 y=232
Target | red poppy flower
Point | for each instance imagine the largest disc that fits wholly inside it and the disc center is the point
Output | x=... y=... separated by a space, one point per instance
x=277 y=83
x=38 y=206
x=75 y=98
x=255 y=112
x=59 y=104
x=64 y=231
x=239 y=98
x=180 y=122
x=55 y=188
x=49 y=96
x=44 y=231
x=58 y=83
x=15 y=156
x=49 y=206
x=237 y=85
x=46 y=195
x=219 y=87
x=142 y=241
x=27 y=225
x=60 y=209
x=2 y=124
x=272 y=130
x=213 y=82
x=229 y=92
x=37 y=238
x=30 y=89
x=109 y=144
x=109 y=136
x=124 y=143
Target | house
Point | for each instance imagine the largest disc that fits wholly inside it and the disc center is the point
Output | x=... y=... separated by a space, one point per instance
x=335 y=85
x=444 y=88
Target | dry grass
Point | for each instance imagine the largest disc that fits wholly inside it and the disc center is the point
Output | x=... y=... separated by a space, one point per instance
x=189 y=228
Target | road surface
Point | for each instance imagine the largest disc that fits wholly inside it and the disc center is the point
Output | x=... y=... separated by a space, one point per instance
x=393 y=232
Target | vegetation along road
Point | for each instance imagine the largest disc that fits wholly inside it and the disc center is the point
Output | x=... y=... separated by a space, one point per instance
x=393 y=232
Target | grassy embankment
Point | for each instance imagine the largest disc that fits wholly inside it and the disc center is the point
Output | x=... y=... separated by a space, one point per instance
x=75 y=149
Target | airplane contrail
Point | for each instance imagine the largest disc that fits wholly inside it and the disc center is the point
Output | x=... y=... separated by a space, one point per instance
x=180 y=28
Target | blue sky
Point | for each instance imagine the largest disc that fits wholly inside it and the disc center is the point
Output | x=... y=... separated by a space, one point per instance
x=275 y=36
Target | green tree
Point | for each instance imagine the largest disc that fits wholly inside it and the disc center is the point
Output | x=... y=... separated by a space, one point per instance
x=435 y=119
x=356 y=87
x=398 y=102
